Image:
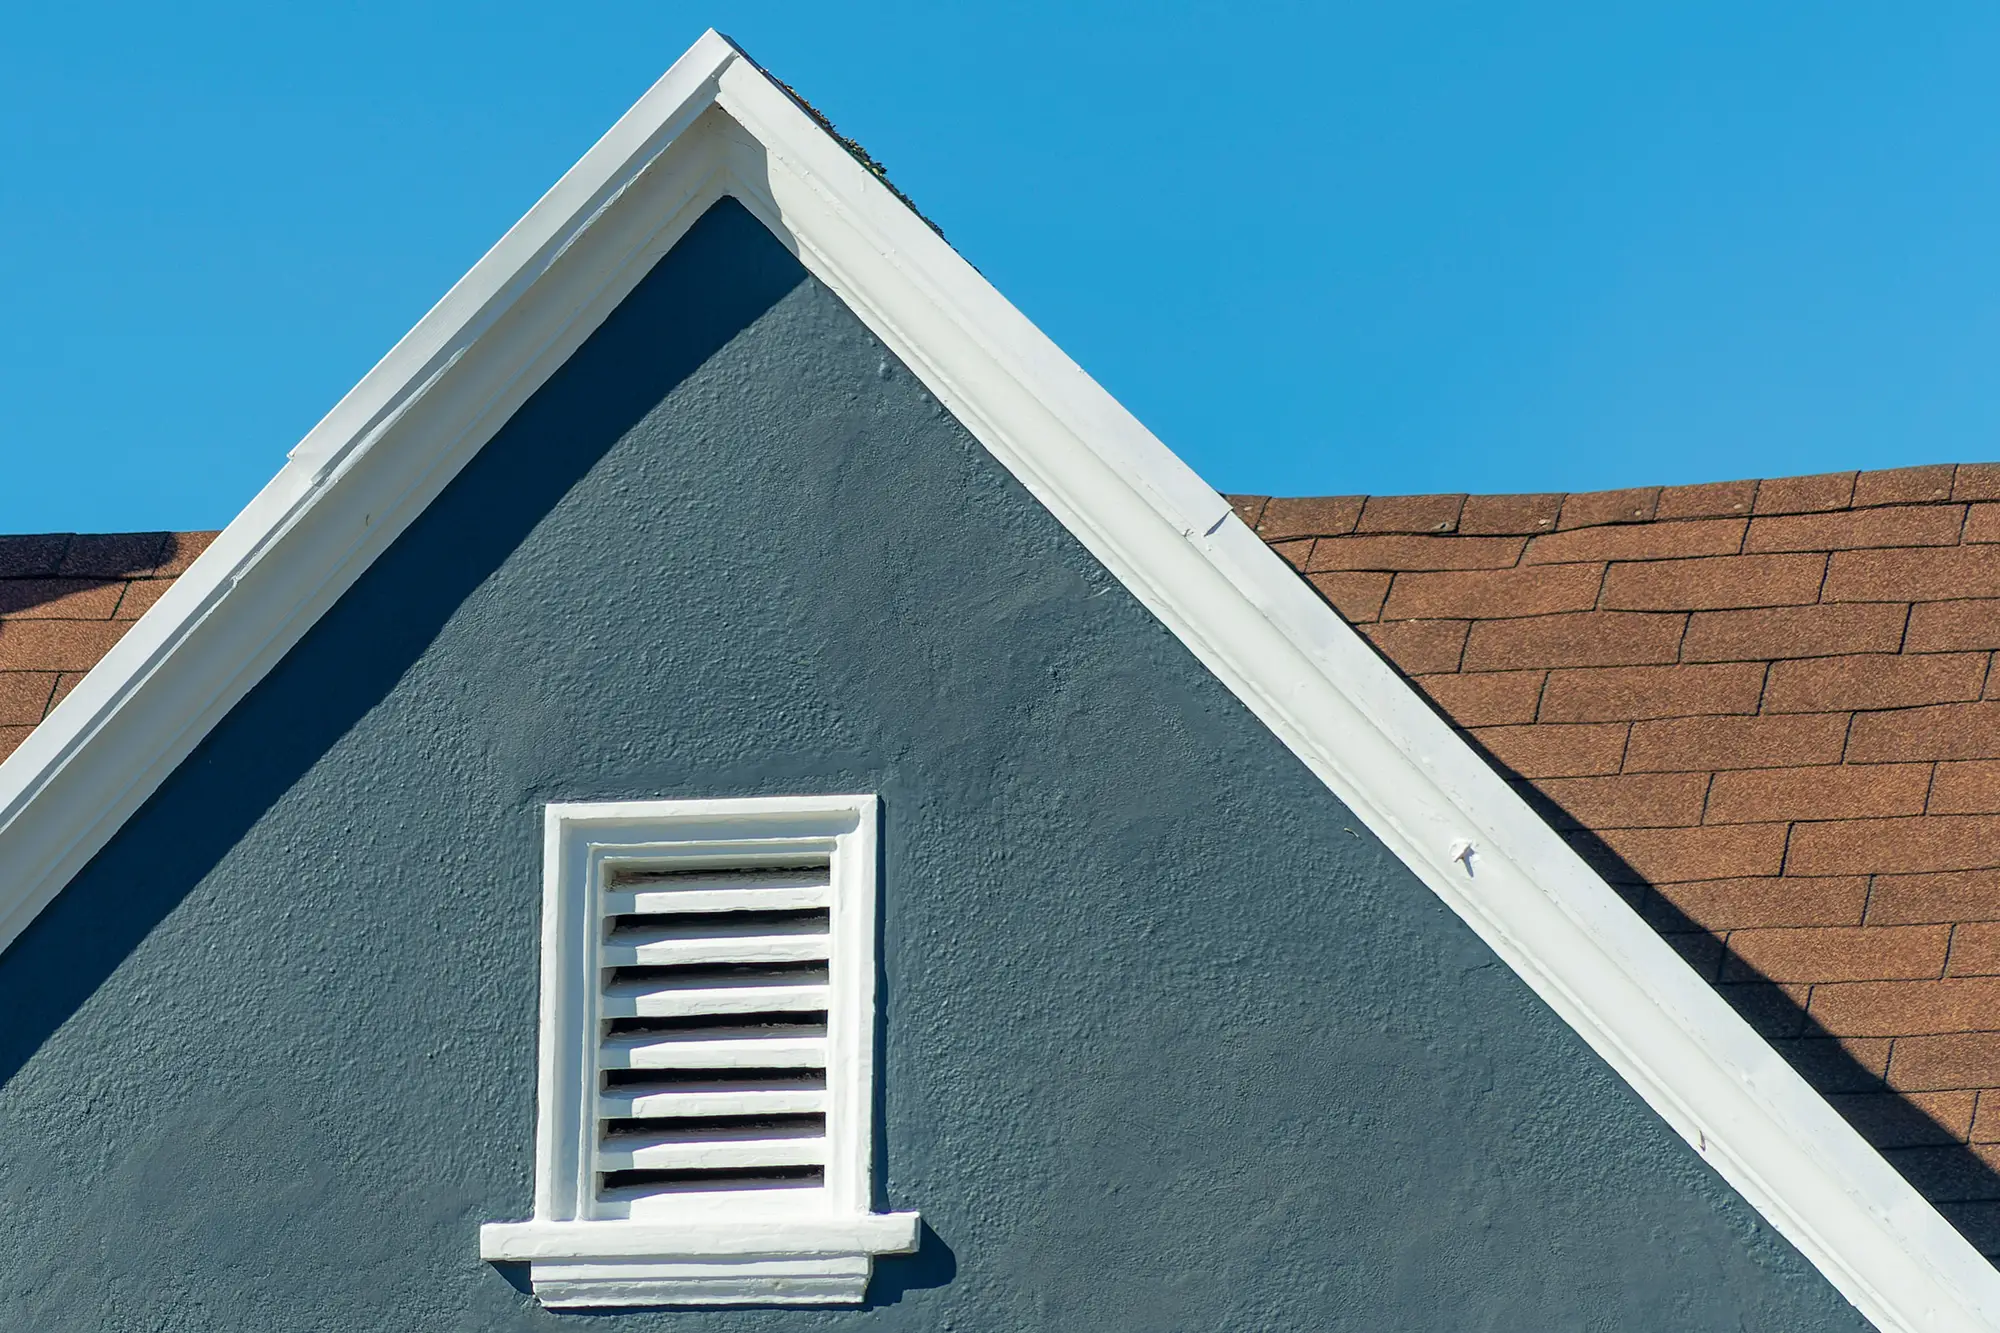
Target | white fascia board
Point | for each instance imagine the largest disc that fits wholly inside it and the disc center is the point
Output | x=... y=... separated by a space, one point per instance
x=715 y=124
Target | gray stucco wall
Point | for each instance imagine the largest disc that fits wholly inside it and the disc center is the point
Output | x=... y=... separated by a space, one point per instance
x=1171 y=1042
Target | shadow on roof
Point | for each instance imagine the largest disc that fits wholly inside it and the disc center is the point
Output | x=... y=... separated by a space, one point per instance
x=75 y=576
x=1928 y=1153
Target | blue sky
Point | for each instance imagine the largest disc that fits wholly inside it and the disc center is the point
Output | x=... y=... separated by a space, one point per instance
x=1328 y=248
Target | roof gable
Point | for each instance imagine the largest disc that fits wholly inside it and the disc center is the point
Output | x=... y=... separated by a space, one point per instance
x=792 y=574
x=716 y=125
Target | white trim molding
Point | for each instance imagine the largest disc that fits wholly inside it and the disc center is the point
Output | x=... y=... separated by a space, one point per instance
x=716 y=125
x=705 y=1112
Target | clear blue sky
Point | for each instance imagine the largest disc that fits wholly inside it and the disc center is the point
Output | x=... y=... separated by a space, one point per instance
x=1331 y=248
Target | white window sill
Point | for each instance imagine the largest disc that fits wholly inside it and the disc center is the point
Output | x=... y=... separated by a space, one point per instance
x=795 y=1262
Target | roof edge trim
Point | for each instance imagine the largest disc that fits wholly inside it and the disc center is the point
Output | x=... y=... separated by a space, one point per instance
x=393 y=442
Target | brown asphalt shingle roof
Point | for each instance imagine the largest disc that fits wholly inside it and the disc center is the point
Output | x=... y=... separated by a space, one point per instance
x=64 y=600
x=1769 y=713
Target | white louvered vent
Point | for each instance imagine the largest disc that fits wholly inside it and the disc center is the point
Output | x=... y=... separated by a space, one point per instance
x=712 y=1072
x=706 y=1103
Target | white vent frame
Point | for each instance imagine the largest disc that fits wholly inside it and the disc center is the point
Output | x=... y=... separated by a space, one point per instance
x=810 y=1245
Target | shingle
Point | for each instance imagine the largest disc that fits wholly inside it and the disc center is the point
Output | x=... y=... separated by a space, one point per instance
x=1914 y=574
x=1591 y=508
x=1493 y=593
x=1947 y=1060
x=1895 y=846
x=1719 y=743
x=1941 y=731
x=1585 y=638
x=115 y=554
x=1976 y=481
x=1410 y=513
x=1509 y=514
x=1357 y=596
x=1771 y=900
x=24 y=696
x=1903 y=485
x=1728 y=851
x=1249 y=508
x=1958 y=895
x=1409 y=551
x=1966 y=787
x=1297 y=554
x=1820 y=954
x=1805 y=495
x=1906 y=1009
x=1764 y=634
x=1485 y=698
x=1714 y=583
x=1828 y=791
x=1318 y=516
x=1908 y=1120
x=1873 y=680
x=59 y=599
x=181 y=550
x=58 y=645
x=1630 y=800
x=1937 y=627
x=1639 y=541
x=38 y=556
x=1902 y=525
x=1420 y=646
x=1706 y=500
x=1551 y=751
x=1632 y=693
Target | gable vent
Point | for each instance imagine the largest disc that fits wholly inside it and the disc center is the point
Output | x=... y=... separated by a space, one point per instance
x=706 y=1096
x=712 y=1065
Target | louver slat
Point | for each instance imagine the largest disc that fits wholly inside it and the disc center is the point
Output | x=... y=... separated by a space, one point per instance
x=713 y=1099
x=757 y=898
x=715 y=1048
x=645 y=999
x=726 y=972
x=782 y=942
x=713 y=1149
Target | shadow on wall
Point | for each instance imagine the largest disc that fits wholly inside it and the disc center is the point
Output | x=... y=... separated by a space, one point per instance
x=263 y=749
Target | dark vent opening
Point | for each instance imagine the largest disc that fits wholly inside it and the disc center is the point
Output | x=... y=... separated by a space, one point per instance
x=727 y=1178
x=694 y=1126
x=726 y=974
x=802 y=1023
x=797 y=920
x=804 y=875
x=684 y=1080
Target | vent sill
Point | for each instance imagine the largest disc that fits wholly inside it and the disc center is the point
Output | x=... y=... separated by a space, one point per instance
x=825 y=1261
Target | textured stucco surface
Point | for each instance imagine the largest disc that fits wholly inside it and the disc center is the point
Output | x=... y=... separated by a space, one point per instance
x=1171 y=1042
